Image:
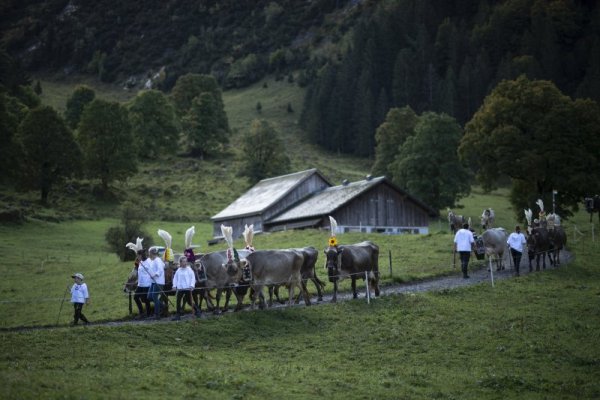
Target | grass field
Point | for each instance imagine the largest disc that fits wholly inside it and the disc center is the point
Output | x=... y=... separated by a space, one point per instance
x=535 y=337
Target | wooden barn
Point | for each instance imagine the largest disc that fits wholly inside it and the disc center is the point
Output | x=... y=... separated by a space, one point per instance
x=267 y=199
x=370 y=205
x=306 y=199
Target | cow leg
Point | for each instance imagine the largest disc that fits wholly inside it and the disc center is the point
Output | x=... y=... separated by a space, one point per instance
x=272 y=290
x=227 y=298
x=320 y=285
x=217 y=309
x=291 y=294
x=375 y=283
x=354 y=294
x=335 y=289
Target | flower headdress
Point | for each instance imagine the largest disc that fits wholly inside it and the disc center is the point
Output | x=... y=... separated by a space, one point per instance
x=333 y=228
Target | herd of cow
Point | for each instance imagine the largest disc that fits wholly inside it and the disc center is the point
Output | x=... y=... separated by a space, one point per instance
x=545 y=236
x=249 y=271
x=240 y=272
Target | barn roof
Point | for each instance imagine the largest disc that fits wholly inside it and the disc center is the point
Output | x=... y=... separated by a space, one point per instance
x=332 y=198
x=264 y=194
x=327 y=201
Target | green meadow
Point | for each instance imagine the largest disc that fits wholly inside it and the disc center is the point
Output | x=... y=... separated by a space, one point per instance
x=533 y=337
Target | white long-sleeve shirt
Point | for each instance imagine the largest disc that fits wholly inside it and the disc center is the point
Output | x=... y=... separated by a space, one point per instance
x=158 y=270
x=79 y=293
x=184 y=278
x=144 y=270
x=516 y=241
x=463 y=240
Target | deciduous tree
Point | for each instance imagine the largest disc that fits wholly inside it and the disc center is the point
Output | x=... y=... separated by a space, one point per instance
x=427 y=164
x=264 y=154
x=50 y=152
x=81 y=96
x=106 y=141
x=153 y=123
x=540 y=138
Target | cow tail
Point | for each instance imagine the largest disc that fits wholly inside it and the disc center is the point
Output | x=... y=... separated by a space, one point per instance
x=319 y=282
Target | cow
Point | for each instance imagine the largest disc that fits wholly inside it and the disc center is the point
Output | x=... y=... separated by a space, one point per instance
x=274 y=267
x=488 y=218
x=310 y=255
x=218 y=271
x=538 y=245
x=494 y=240
x=353 y=261
x=456 y=221
x=556 y=236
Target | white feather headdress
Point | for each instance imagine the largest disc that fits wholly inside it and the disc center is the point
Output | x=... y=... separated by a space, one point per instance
x=137 y=246
x=227 y=232
x=540 y=204
x=248 y=236
x=166 y=236
x=189 y=235
x=528 y=215
x=332 y=225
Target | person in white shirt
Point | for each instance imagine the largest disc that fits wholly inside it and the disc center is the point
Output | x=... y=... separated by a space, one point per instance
x=184 y=283
x=464 y=245
x=143 y=284
x=515 y=242
x=79 y=297
x=157 y=274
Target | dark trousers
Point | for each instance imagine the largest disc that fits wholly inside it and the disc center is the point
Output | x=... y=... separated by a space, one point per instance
x=464 y=261
x=141 y=295
x=516 y=255
x=185 y=296
x=78 y=314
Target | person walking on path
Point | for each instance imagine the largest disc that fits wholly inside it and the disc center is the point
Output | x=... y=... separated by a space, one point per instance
x=157 y=274
x=515 y=242
x=143 y=284
x=184 y=282
x=464 y=244
x=79 y=297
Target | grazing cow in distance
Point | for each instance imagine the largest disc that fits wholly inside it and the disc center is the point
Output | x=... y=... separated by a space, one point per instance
x=275 y=267
x=353 y=261
x=494 y=241
x=456 y=221
x=488 y=218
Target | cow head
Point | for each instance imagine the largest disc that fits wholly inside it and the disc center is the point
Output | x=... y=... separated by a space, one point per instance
x=333 y=262
x=131 y=283
x=246 y=270
x=232 y=267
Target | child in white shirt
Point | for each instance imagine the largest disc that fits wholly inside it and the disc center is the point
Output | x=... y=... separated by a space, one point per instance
x=184 y=282
x=79 y=297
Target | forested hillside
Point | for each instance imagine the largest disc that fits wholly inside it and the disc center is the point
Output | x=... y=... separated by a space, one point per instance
x=446 y=56
x=400 y=84
x=361 y=58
